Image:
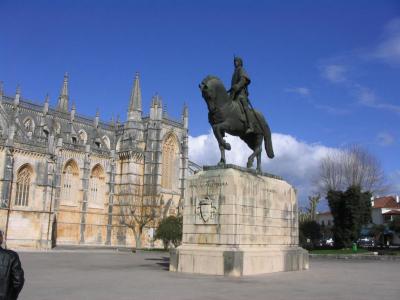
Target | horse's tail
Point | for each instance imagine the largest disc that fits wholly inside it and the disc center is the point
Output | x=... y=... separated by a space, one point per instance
x=266 y=132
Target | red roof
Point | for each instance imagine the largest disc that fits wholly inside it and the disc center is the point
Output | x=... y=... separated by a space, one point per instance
x=392 y=212
x=386 y=202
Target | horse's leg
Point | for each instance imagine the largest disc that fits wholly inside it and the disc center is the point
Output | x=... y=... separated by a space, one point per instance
x=221 y=143
x=222 y=161
x=217 y=129
x=250 y=160
x=256 y=147
x=257 y=153
x=259 y=160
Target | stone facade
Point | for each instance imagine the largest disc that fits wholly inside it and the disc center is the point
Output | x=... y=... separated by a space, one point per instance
x=236 y=223
x=64 y=177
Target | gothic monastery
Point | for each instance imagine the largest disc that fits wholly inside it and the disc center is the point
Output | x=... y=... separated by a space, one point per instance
x=67 y=180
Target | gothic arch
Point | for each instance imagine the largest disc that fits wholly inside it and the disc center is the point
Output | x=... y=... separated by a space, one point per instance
x=82 y=136
x=23 y=185
x=118 y=145
x=70 y=183
x=106 y=141
x=29 y=125
x=170 y=162
x=97 y=187
x=56 y=128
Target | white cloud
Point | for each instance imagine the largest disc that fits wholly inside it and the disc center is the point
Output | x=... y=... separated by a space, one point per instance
x=385 y=139
x=296 y=161
x=367 y=97
x=389 y=49
x=303 y=91
x=332 y=110
x=334 y=72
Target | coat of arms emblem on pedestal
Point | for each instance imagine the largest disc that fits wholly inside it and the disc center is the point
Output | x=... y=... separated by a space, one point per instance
x=206 y=210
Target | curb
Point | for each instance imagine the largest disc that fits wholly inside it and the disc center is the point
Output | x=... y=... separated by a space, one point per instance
x=357 y=257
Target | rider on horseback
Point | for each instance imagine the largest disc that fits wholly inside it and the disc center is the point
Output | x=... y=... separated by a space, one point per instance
x=239 y=92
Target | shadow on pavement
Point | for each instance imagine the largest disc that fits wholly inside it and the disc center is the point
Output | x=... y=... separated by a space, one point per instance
x=162 y=262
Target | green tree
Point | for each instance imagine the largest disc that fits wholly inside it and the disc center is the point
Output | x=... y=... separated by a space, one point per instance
x=309 y=230
x=395 y=224
x=351 y=210
x=170 y=231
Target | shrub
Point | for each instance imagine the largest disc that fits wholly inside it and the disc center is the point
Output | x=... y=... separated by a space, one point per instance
x=170 y=231
x=309 y=230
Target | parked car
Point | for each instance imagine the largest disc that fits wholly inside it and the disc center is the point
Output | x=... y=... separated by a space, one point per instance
x=326 y=242
x=329 y=242
x=366 y=242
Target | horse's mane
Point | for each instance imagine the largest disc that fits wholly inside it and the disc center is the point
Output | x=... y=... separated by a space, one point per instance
x=213 y=78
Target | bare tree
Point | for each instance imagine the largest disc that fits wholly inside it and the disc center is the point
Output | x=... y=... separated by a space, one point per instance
x=313 y=203
x=310 y=213
x=353 y=166
x=138 y=212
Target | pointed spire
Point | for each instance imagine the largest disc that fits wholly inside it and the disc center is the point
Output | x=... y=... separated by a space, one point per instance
x=97 y=118
x=135 y=103
x=112 y=121
x=17 y=96
x=73 y=111
x=46 y=104
x=118 y=122
x=1 y=91
x=185 y=116
x=64 y=97
x=185 y=110
x=164 y=110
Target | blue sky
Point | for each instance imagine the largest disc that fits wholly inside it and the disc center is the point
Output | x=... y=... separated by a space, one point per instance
x=325 y=73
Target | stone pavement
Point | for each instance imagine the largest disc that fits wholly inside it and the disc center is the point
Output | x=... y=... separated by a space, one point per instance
x=122 y=275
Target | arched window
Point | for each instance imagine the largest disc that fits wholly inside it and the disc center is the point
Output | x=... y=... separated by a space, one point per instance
x=82 y=136
x=57 y=128
x=170 y=163
x=24 y=177
x=70 y=183
x=29 y=125
x=97 y=187
x=118 y=145
x=106 y=141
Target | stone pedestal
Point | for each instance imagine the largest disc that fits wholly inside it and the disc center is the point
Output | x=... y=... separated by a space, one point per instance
x=236 y=222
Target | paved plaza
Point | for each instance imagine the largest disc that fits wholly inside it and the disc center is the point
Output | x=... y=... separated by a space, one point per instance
x=123 y=275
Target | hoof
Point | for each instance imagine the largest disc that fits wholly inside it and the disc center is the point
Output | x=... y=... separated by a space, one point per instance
x=221 y=163
x=227 y=146
x=249 y=165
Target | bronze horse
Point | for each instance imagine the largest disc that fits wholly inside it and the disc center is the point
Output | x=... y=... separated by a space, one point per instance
x=226 y=116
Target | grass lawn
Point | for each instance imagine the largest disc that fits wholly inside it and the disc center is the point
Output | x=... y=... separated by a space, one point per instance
x=339 y=251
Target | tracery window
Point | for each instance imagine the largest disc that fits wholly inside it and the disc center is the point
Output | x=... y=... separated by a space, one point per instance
x=106 y=141
x=57 y=128
x=29 y=126
x=97 y=187
x=82 y=136
x=170 y=162
x=69 y=184
x=23 y=184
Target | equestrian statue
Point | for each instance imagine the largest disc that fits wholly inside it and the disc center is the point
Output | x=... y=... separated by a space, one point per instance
x=231 y=112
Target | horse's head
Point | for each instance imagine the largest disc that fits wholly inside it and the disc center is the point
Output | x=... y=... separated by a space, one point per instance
x=213 y=91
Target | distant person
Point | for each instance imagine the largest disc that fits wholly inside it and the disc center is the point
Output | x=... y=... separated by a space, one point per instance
x=11 y=273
